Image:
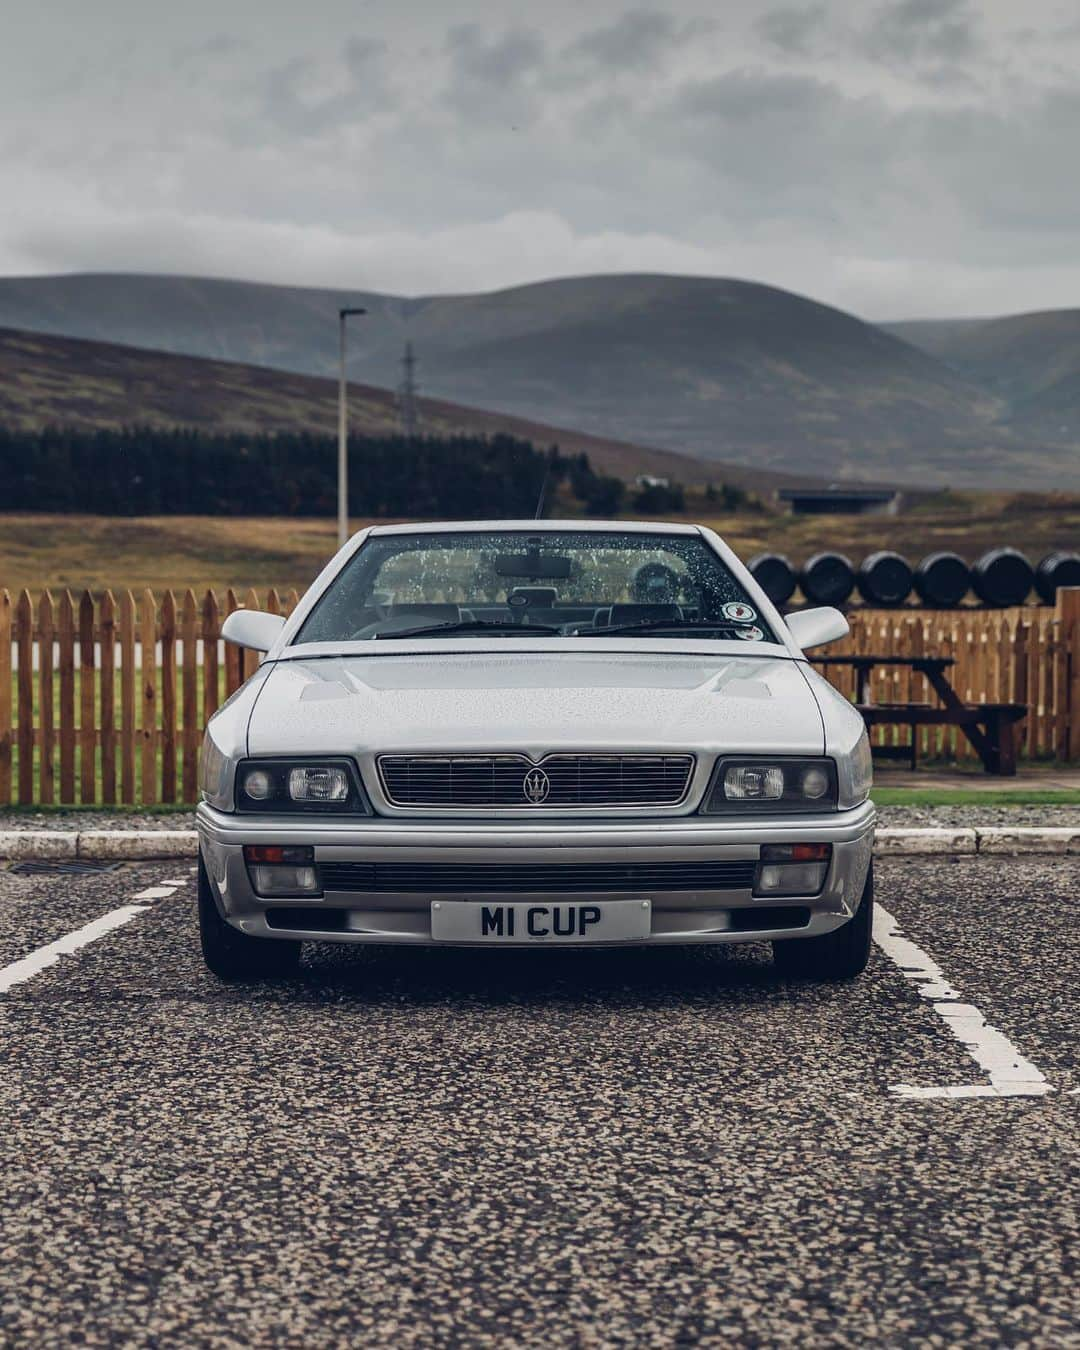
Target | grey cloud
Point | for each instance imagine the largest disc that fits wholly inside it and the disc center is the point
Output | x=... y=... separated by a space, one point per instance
x=637 y=40
x=363 y=55
x=742 y=96
x=948 y=78
x=286 y=100
x=790 y=30
x=367 y=151
x=918 y=30
x=492 y=83
x=795 y=154
x=210 y=48
x=499 y=62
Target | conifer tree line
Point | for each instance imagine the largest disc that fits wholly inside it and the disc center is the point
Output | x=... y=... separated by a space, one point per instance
x=151 y=471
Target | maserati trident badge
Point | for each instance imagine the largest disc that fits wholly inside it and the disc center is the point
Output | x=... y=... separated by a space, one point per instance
x=536 y=786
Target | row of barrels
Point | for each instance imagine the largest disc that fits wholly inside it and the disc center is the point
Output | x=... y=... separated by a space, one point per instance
x=999 y=578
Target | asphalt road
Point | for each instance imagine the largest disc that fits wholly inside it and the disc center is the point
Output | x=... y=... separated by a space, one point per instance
x=576 y=1148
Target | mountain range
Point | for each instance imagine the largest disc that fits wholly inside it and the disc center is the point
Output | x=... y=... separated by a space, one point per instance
x=716 y=369
x=1031 y=362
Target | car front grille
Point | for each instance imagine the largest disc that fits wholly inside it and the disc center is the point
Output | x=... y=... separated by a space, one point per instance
x=576 y=781
x=537 y=878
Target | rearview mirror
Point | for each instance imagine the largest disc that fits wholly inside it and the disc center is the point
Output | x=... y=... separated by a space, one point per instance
x=533 y=566
x=253 y=629
x=815 y=627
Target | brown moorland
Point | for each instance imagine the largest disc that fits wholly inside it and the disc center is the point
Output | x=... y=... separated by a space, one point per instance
x=53 y=381
x=178 y=551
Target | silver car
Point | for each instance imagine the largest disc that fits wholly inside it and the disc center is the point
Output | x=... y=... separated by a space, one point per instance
x=535 y=733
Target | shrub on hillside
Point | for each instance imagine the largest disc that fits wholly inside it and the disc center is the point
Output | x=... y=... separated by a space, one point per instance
x=657 y=499
x=149 y=471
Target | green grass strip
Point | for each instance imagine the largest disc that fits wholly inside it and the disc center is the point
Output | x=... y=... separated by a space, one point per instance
x=917 y=796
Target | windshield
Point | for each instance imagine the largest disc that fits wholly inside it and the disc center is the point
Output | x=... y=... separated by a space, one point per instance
x=564 y=583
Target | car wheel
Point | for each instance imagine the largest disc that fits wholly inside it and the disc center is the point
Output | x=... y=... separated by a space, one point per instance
x=840 y=955
x=234 y=956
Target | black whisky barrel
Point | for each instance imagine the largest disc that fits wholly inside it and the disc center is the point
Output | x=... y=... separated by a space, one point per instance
x=775 y=575
x=884 y=578
x=827 y=579
x=942 y=580
x=1002 y=577
x=1056 y=569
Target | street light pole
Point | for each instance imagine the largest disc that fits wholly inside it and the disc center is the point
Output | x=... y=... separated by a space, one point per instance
x=343 y=432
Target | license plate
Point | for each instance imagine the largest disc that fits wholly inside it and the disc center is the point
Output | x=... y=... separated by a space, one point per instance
x=541 y=921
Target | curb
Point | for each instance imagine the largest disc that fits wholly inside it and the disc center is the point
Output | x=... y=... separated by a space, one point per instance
x=1059 y=839
x=136 y=844
x=899 y=842
x=133 y=845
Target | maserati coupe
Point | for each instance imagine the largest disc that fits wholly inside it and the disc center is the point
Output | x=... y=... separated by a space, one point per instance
x=535 y=734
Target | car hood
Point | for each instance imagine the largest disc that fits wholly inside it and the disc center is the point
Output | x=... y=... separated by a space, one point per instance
x=535 y=703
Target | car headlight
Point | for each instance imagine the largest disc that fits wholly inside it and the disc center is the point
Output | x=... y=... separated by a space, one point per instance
x=768 y=785
x=331 y=786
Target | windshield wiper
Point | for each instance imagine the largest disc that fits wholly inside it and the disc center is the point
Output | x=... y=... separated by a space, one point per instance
x=471 y=626
x=660 y=626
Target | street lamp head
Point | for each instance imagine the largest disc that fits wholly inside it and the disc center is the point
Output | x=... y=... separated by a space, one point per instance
x=344 y=313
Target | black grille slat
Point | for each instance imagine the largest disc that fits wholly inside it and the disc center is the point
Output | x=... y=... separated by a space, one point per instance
x=498 y=780
x=550 y=878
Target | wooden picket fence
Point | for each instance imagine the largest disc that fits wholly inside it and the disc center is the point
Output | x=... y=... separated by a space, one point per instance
x=1030 y=655
x=85 y=719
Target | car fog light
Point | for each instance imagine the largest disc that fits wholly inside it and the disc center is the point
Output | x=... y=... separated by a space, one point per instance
x=790 y=879
x=792 y=869
x=753 y=782
x=258 y=784
x=279 y=880
x=282 y=869
x=318 y=784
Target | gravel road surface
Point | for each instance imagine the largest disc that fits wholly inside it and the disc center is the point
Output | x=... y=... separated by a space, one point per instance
x=445 y=1148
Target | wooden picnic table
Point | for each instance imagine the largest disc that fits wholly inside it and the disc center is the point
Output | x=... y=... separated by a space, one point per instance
x=989 y=727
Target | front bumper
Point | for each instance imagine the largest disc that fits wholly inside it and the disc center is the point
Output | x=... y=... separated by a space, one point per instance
x=405 y=917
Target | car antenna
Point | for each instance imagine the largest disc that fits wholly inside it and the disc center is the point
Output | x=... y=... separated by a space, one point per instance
x=538 y=514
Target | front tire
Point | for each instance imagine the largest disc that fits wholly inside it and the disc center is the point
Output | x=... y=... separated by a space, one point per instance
x=232 y=956
x=839 y=955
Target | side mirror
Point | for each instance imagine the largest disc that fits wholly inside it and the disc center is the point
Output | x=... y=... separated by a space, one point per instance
x=815 y=627
x=251 y=628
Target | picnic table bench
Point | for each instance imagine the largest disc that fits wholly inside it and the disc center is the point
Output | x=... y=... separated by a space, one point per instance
x=989 y=727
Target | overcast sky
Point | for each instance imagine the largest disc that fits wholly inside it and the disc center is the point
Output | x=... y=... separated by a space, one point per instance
x=897 y=158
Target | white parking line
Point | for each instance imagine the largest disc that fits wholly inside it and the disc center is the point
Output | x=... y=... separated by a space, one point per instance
x=1011 y=1075
x=29 y=966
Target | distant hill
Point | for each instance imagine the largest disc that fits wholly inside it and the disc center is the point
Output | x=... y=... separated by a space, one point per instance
x=936 y=337
x=1030 y=361
x=49 y=380
x=722 y=369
